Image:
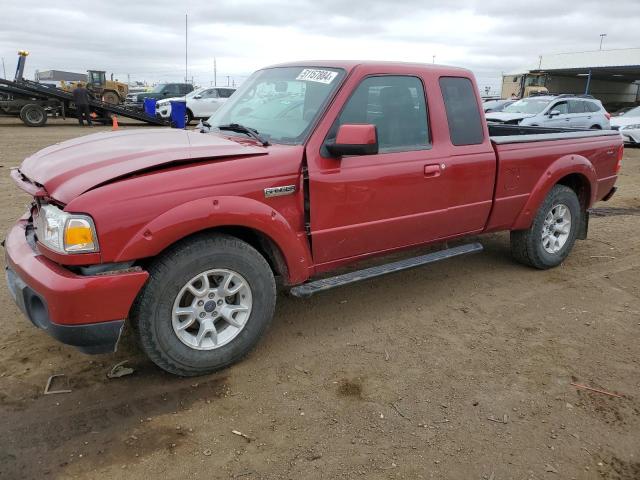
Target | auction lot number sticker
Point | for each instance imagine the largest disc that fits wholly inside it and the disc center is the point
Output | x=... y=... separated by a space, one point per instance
x=320 y=76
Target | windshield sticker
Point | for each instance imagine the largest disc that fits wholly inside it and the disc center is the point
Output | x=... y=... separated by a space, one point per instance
x=320 y=76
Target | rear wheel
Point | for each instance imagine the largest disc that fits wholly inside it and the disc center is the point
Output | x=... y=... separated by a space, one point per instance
x=33 y=115
x=188 y=117
x=206 y=304
x=595 y=127
x=553 y=232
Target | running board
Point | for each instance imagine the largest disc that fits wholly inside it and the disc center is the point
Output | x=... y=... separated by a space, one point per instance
x=307 y=289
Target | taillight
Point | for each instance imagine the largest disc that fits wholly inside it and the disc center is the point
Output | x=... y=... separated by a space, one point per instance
x=620 y=155
x=608 y=115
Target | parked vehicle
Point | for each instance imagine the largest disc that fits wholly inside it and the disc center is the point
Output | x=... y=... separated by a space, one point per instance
x=110 y=91
x=186 y=233
x=524 y=85
x=628 y=123
x=496 y=105
x=201 y=103
x=561 y=111
x=160 y=91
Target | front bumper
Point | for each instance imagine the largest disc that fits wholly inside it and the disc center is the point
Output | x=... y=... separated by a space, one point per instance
x=87 y=312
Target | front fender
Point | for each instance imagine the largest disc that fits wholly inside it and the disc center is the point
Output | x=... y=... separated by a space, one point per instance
x=219 y=211
x=563 y=166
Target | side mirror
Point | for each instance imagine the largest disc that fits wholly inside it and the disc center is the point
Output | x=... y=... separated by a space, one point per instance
x=352 y=139
x=198 y=97
x=554 y=113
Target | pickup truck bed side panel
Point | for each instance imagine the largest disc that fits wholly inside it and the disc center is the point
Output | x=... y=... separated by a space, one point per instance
x=527 y=171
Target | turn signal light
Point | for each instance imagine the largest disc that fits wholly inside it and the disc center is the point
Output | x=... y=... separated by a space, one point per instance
x=78 y=235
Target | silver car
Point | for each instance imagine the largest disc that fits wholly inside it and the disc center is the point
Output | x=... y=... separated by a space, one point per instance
x=554 y=111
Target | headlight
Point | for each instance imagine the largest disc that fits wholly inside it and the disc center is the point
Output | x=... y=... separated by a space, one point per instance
x=65 y=232
x=631 y=127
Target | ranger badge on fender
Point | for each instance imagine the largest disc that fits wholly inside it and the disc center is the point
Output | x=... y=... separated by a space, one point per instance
x=279 y=191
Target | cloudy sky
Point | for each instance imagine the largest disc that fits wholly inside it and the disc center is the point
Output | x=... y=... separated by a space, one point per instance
x=146 y=39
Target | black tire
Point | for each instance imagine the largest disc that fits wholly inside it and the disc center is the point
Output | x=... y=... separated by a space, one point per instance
x=33 y=115
x=151 y=315
x=527 y=245
x=595 y=127
x=111 y=97
x=188 y=117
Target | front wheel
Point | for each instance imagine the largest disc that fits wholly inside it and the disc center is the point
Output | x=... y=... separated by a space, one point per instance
x=206 y=304
x=553 y=232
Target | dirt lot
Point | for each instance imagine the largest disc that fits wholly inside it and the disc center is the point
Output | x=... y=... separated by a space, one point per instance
x=461 y=370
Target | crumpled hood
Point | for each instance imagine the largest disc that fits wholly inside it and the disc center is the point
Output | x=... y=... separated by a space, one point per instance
x=70 y=168
x=507 y=117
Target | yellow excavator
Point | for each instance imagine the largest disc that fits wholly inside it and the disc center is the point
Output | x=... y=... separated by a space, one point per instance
x=110 y=91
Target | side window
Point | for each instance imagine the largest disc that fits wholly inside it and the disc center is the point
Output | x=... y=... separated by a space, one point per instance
x=463 y=115
x=592 y=107
x=172 y=88
x=561 y=107
x=577 y=106
x=395 y=105
x=211 y=93
x=224 y=92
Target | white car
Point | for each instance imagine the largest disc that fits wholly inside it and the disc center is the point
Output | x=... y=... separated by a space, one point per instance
x=201 y=103
x=628 y=124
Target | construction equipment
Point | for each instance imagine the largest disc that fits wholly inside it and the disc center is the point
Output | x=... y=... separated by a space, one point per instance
x=111 y=91
x=34 y=102
x=524 y=85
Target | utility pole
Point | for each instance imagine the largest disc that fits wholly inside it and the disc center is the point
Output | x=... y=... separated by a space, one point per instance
x=186 y=38
x=215 y=73
x=228 y=80
x=433 y=59
x=602 y=35
x=3 y=69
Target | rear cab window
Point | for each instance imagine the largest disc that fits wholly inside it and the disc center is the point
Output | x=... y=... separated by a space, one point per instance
x=463 y=113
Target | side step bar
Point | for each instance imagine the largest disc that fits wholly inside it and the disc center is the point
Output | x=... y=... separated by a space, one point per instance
x=307 y=289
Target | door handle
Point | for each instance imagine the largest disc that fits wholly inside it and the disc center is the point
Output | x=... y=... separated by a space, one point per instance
x=432 y=170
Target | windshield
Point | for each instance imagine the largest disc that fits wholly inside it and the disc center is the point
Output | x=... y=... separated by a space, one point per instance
x=634 y=112
x=280 y=103
x=528 y=105
x=158 y=88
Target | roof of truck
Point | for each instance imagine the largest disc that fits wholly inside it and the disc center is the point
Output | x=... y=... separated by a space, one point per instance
x=375 y=65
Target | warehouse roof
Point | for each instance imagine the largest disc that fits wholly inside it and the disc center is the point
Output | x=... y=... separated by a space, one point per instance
x=622 y=63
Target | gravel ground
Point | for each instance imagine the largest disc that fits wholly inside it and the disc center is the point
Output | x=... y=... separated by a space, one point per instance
x=461 y=370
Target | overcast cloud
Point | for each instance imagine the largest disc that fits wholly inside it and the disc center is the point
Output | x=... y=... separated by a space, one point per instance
x=146 y=39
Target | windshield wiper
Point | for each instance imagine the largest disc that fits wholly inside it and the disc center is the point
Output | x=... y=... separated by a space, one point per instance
x=252 y=132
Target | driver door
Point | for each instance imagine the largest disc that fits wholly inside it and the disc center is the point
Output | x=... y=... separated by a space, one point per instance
x=372 y=203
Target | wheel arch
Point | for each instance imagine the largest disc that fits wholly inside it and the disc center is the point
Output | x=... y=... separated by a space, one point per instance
x=573 y=171
x=254 y=222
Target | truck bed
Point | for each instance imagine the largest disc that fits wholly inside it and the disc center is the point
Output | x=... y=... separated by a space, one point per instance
x=530 y=157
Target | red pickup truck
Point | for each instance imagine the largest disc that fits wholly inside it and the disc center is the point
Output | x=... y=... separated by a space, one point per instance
x=307 y=168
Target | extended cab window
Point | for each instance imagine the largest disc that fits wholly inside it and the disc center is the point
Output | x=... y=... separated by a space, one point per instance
x=396 y=106
x=463 y=115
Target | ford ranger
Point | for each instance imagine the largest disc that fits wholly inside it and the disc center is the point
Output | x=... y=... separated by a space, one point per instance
x=308 y=168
